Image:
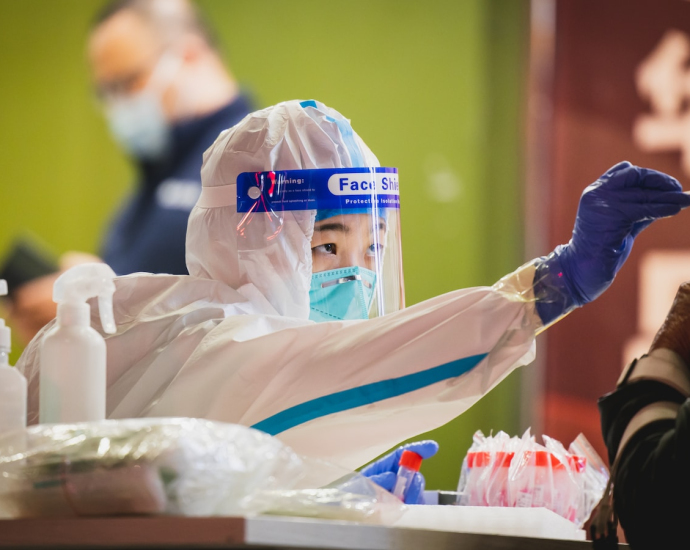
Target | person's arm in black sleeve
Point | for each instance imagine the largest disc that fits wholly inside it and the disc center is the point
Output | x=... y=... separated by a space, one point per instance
x=646 y=427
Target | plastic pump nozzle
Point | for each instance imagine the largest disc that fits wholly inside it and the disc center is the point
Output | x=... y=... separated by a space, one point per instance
x=75 y=286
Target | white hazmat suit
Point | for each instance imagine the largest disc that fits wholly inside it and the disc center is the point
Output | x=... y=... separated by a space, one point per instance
x=232 y=341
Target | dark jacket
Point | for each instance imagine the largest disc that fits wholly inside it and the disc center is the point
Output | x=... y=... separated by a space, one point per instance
x=651 y=482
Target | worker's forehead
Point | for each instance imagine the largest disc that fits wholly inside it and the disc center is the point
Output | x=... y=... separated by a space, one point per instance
x=349 y=221
x=122 y=44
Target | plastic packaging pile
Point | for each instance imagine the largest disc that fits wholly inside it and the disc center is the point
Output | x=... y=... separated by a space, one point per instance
x=518 y=472
x=176 y=466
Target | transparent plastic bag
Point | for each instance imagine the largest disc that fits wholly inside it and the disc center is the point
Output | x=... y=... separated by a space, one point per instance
x=519 y=472
x=596 y=474
x=487 y=470
x=468 y=487
x=550 y=477
x=568 y=469
x=329 y=491
x=175 y=466
x=352 y=498
x=178 y=466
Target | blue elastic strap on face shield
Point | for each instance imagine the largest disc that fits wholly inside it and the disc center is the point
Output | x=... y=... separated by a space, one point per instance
x=346 y=132
x=341 y=294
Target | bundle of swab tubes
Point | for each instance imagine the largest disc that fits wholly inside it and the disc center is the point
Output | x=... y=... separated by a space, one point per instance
x=518 y=472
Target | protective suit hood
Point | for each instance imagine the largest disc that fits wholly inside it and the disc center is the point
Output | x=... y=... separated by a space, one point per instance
x=293 y=135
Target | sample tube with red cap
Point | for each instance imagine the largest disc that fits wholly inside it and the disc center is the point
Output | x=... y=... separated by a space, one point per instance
x=409 y=465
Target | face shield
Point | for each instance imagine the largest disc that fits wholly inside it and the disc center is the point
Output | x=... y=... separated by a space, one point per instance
x=354 y=230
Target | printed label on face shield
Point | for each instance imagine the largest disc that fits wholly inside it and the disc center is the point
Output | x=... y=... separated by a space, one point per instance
x=318 y=189
x=356 y=184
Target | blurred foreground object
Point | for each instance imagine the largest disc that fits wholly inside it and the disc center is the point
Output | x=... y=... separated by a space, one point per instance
x=646 y=427
x=174 y=466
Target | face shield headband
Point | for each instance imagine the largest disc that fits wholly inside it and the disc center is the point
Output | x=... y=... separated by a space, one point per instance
x=355 y=242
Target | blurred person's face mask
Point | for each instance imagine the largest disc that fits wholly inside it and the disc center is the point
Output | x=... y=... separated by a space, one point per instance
x=355 y=273
x=137 y=120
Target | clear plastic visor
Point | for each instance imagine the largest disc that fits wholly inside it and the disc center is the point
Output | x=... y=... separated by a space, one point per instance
x=349 y=219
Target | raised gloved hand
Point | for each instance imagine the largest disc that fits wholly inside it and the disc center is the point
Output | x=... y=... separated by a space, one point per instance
x=612 y=212
x=384 y=471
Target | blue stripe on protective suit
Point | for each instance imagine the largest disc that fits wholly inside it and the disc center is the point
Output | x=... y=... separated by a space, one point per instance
x=364 y=395
x=349 y=139
x=346 y=133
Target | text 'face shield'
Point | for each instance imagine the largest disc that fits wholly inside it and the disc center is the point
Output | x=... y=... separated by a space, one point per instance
x=350 y=215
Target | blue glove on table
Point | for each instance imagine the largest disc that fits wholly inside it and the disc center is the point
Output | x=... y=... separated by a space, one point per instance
x=612 y=212
x=384 y=471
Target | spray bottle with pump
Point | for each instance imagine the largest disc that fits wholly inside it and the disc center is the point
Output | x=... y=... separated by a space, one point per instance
x=73 y=355
x=12 y=383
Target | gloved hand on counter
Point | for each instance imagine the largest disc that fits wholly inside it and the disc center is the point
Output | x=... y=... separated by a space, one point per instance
x=612 y=212
x=384 y=471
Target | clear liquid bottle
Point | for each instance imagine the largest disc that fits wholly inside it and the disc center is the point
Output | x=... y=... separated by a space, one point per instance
x=12 y=383
x=73 y=354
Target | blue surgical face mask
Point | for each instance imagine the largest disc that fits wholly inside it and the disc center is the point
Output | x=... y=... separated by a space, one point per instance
x=341 y=294
x=138 y=124
x=137 y=121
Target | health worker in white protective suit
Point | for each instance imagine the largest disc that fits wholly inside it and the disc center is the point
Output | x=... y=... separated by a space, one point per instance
x=293 y=244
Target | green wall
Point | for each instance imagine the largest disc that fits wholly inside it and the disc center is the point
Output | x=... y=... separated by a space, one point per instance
x=434 y=88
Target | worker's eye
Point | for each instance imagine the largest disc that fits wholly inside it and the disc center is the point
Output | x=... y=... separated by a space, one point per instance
x=118 y=88
x=328 y=248
x=376 y=249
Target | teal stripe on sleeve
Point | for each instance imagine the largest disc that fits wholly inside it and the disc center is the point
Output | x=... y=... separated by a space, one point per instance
x=365 y=395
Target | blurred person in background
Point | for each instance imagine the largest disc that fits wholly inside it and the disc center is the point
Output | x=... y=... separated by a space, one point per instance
x=166 y=95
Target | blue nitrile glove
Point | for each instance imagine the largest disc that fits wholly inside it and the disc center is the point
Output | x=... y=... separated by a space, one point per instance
x=612 y=212
x=384 y=471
